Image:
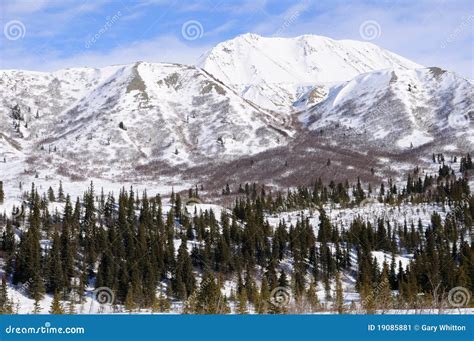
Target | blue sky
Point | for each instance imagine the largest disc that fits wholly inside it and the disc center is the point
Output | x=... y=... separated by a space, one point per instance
x=52 y=34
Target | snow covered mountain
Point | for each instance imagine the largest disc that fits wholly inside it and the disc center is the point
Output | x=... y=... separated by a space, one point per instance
x=275 y=72
x=123 y=116
x=400 y=109
x=125 y=121
x=31 y=103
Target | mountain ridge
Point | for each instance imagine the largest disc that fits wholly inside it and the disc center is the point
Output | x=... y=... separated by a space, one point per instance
x=170 y=117
x=265 y=69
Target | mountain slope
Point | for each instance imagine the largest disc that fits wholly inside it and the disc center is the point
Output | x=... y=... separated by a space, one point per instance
x=129 y=115
x=400 y=109
x=146 y=120
x=275 y=72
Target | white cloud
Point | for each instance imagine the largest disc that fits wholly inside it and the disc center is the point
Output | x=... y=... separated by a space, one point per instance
x=162 y=49
x=415 y=30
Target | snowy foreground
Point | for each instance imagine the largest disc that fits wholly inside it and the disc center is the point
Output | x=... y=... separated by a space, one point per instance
x=339 y=217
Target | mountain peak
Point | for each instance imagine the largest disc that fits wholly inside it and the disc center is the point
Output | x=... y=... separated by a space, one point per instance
x=249 y=35
x=265 y=69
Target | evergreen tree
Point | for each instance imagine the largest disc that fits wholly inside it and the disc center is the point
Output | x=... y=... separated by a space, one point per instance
x=384 y=298
x=55 y=278
x=61 y=192
x=36 y=307
x=209 y=298
x=56 y=306
x=184 y=281
x=242 y=302
x=28 y=258
x=339 y=302
x=2 y=193
x=9 y=247
x=5 y=304
x=312 y=298
x=51 y=196
x=71 y=307
x=130 y=300
x=264 y=297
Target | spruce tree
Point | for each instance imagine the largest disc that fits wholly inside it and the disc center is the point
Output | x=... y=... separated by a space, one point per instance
x=51 y=196
x=209 y=297
x=184 y=281
x=384 y=300
x=9 y=247
x=312 y=298
x=5 y=304
x=61 y=192
x=242 y=302
x=2 y=193
x=28 y=259
x=263 y=298
x=56 y=306
x=339 y=302
x=54 y=273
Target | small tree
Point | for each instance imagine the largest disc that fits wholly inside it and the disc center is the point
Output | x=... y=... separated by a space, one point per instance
x=190 y=305
x=312 y=298
x=242 y=302
x=61 y=192
x=161 y=304
x=384 y=299
x=339 y=303
x=2 y=194
x=56 y=306
x=36 y=307
x=5 y=304
x=263 y=298
x=209 y=298
x=71 y=307
x=129 y=300
x=51 y=196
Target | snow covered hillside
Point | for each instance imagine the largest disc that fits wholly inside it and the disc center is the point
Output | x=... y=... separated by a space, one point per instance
x=275 y=72
x=401 y=109
x=120 y=116
x=328 y=100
